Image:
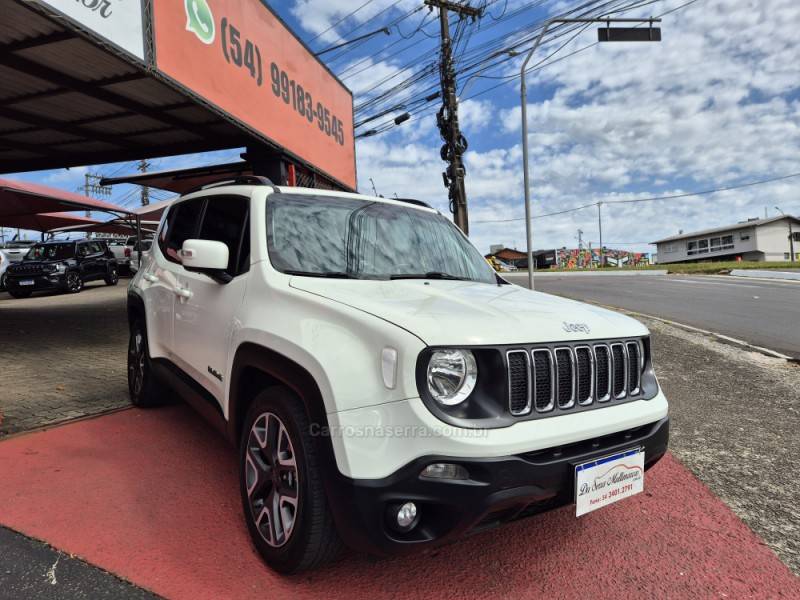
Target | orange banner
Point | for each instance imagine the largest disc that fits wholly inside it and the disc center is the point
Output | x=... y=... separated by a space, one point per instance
x=239 y=56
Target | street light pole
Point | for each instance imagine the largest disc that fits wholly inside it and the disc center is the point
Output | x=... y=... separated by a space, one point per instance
x=524 y=101
x=791 y=235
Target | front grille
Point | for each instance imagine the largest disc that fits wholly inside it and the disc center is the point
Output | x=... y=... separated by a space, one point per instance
x=620 y=369
x=566 y=387
x=572 y=375
x=543 y=389
x=22 y=269
x=519 y=382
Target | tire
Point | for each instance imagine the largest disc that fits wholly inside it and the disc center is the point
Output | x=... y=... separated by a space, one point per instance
x=73 y=282
x=3 y=278
x=310 y=539
x=112 y=277
x=16 y=293
x=143 y=386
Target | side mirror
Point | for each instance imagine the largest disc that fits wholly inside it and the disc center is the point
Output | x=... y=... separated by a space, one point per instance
x=207 y=257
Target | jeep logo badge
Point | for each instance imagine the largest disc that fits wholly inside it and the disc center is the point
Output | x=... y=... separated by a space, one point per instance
x=575 y=327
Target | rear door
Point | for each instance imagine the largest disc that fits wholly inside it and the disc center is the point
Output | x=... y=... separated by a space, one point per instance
x=159 y=282
x=206 y=314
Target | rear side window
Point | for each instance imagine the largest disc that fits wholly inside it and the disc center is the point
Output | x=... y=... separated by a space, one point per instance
x=181 y=225
x=226 y=221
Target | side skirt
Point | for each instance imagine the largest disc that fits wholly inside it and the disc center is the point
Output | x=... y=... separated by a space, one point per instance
x=195 y=395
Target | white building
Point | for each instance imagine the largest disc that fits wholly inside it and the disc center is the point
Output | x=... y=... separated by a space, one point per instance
x=754 y=239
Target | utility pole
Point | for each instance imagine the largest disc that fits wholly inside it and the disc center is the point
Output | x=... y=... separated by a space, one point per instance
x=455 y=144
x=142 y=167
x=791 y=234
x=92 y=188
x=600 y=229
x=580 y=239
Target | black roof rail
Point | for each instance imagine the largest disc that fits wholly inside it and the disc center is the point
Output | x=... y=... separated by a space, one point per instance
x=413 y=201
x=240 y=180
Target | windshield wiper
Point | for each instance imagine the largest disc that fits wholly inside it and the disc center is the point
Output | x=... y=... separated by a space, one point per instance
x=428 y=275
x=327 y=274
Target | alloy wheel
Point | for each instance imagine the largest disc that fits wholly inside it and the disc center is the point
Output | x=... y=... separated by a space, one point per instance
x=113 y=276
x=74 y=282
x=136 y=363
x=272 y=479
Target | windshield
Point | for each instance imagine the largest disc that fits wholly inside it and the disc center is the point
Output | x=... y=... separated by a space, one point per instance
x=51 y=252
x=347 y=237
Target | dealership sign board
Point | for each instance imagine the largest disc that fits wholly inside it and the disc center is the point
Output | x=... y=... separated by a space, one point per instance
x=117 y=21
x=239 y=56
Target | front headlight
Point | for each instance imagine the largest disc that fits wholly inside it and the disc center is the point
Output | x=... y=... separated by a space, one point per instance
x=61 y=268
x=452 y=375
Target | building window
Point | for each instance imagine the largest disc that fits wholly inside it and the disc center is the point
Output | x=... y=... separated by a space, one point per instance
x=727 y=242
x=691 y=248
x=796 y=236
x=786 y=256
x=702 y=246
x=669 y=248
x=744 y=236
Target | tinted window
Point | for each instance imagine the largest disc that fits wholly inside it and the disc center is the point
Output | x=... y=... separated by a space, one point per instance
x=96 y=247
x=180 y=226
x=224 y=221
x=51 y=252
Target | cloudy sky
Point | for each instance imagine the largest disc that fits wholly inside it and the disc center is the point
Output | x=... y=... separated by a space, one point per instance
x=715 y=105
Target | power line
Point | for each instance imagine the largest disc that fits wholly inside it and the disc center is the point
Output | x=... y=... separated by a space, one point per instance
x=347 y=16
x=651 y=199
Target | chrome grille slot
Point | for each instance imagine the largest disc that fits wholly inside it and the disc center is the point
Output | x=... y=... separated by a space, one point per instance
x=565 y=370
x=543 y=379
x=620 y=370
x=584 y=378
x=602 y=357
x=634 y=368
x=519 y=382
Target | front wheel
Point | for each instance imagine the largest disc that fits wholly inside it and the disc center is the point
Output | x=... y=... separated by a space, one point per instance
x=3 y=278
x=143 y=386
x=74 y=283
x=284 y=501
x=112 y=277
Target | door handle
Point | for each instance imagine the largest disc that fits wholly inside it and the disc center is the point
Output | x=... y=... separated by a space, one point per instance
x=184 y=293
x=150 y=278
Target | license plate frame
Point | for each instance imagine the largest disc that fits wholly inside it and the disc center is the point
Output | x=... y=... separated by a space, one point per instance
x=27 y=282
x=608 y=479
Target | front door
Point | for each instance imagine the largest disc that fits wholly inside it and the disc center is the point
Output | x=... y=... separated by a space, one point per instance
x=206 y=312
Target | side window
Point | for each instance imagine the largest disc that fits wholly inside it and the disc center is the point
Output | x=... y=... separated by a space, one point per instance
x=83 y=250
x=225 y=221
x=181 y=225
x=96 y=247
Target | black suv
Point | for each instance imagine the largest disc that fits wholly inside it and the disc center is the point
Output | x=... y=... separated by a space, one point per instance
x=62 y=265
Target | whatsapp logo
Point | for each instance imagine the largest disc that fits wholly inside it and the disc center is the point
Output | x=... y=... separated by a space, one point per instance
x=199 y=20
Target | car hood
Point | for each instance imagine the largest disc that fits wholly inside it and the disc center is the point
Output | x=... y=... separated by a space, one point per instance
x=470 y=313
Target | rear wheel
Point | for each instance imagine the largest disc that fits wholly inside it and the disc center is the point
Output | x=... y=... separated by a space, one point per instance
x=143 y=386
x=284 y=501
x=112 y=277
x=74 y=283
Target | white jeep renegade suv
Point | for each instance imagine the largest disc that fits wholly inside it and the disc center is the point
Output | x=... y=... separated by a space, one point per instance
x=383 y=385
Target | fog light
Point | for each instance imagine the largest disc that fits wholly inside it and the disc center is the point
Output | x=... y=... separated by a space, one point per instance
x=444 y=471
x=407 y=516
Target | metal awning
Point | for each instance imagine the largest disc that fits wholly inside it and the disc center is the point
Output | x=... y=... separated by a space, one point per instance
x=66 y=100
x=20 y=199
x=115 y=227
x=182 y=181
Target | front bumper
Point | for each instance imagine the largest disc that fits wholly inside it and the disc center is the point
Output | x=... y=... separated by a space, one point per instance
x=51 y=281
x=499 y=490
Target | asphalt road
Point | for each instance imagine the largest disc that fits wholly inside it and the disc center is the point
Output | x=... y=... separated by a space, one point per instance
x=764 y=313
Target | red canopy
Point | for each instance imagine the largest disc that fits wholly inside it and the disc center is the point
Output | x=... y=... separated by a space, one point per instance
x=47 y=221
x=23 y=199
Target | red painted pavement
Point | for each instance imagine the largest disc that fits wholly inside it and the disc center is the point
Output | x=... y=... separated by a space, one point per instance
x=153 y=497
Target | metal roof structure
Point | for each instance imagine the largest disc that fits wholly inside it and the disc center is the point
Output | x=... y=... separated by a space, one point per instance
x=736 y=227
x=69 y=97
x=181 y=181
